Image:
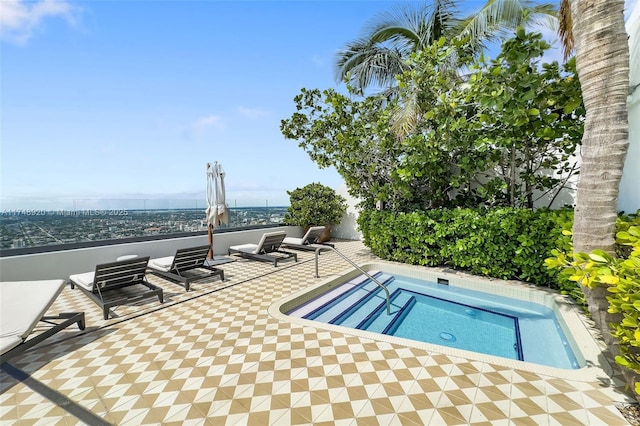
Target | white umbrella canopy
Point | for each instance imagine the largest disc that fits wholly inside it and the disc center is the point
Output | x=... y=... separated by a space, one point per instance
x=217 y=212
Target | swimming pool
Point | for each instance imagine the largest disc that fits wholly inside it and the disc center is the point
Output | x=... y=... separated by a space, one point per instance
x=503 y=322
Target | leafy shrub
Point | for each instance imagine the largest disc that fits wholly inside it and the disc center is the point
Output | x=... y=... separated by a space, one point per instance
x=315 y=204
x=505 y=243
x=621 y=275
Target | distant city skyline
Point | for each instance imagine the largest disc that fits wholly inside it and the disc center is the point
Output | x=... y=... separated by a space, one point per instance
x=24 y=228
x=131 y=99
x=137 y=202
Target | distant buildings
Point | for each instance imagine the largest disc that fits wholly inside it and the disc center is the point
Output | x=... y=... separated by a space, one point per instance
x=29 y=228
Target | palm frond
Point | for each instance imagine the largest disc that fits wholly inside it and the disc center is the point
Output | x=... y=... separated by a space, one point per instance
x=498 y=16
x=565 y=28
x=407 y=114
x=422 y=25
x=365 y=65
x=390 y=38
x=443 y=19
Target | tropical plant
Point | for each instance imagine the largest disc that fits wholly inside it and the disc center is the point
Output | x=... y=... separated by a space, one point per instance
x=315 y=204
x=501 y=139
x=532 y=116
x=601 y=46
x=388 y=40
x=620 y=276
x=351 y=135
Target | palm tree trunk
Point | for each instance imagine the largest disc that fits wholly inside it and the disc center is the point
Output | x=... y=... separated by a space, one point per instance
x=602 y=62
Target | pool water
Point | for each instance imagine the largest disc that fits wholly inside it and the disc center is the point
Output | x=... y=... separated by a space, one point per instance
x=449 y=316
x=459 y=326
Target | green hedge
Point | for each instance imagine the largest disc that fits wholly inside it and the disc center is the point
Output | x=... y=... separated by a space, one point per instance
x=505 y=243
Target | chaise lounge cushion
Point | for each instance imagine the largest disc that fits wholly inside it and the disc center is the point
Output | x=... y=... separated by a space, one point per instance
x=267 y=250
x=162 y=263
x=84 y=280
x=22 y=305
x=186 y=266
x=293 y=241
x=103 y=285
x=246 y=248
x=312 y=234
x=259 y=248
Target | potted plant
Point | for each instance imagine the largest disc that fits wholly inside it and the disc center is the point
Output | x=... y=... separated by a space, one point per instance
x=315 y=205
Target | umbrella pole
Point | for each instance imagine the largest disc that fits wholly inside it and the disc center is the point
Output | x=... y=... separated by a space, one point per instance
x=210 y=241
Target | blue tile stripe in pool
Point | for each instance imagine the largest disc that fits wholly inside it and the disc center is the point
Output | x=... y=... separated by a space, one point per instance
x=376 y=324
x=329 y=310
x=307 y=308
x=354 y=304
x=392 y=330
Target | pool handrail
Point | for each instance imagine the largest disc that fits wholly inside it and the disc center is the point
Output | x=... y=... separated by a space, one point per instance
x=320 y=246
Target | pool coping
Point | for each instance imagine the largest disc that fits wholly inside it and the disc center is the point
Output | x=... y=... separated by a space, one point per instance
x=580 y=333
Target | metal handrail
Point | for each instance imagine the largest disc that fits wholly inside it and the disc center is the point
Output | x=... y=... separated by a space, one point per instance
x=382 y=286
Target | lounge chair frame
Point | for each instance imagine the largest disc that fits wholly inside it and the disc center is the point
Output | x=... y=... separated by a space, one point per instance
x=270 y=244
x=116 y=275
x=24 y=305
x=67 y=318
x=188 y=259
x=309 y=240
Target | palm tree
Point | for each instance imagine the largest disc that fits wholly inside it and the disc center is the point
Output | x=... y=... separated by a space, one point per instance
x=498 y=18
x=380 y=54
x=595 y=28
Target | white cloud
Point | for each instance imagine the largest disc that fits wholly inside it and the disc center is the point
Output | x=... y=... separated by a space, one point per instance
x=19 y=19
x=252 y=112
x=198 y=128
x=318 y=60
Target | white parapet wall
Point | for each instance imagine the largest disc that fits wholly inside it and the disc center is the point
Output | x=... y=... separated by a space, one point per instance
x=629 y=196
x=61 y=264
x=348 y=227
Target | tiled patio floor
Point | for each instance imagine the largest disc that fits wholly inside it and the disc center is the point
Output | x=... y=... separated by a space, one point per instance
x=215 y=356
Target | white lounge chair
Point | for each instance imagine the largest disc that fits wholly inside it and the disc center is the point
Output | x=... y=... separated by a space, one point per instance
x=180 y=267
x=267 y=250
x=23 y=304
x=308 y=241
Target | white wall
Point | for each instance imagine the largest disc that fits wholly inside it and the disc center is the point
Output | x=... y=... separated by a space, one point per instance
x=629 y=197
x=61 y=264
x=348 y=228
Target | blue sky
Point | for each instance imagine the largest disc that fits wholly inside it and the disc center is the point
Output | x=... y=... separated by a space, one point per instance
x=131 y=99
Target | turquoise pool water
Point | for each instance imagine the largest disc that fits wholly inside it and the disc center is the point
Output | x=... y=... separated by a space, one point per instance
x=448 y=316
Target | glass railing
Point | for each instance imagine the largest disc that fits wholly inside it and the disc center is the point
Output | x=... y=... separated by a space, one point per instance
x=83 y=221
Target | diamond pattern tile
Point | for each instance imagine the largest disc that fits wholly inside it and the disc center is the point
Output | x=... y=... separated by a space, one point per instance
x=215 y=356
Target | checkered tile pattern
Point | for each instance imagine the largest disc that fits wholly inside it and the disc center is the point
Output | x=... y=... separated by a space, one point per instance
x=214 y=356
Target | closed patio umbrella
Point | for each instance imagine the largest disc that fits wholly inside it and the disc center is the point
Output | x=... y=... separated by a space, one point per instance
x=217 y=212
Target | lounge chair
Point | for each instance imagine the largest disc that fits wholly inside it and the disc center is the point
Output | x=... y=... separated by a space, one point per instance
x=113 y=276
x=186 y=259
x=23 y=304
x=309 y=240
x=267 y=250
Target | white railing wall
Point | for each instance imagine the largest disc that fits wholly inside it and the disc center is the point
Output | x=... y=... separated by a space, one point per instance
x=61 y=264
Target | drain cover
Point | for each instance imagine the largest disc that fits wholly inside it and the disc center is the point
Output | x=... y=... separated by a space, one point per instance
x=448 y=337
